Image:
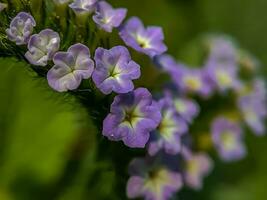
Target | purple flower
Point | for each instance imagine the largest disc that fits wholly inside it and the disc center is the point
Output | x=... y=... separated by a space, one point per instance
x=115 y=70
x=191 y=80
x=148 y=41
x=188 y=109
x=42 y=47
x=197 y=166
x=70 y=68
x=187 y=80
x=253 y=107
x=83 y=6
x=2 y=6
x=167 y=63
x=153 y=182
x=132 y=117
x=223 y=49
x=106 y=17
x=168 y=134
x=223 y=76
x=21 y=28
x=227 y=138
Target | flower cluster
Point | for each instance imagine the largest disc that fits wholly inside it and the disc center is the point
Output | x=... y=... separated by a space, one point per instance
x=159 y=122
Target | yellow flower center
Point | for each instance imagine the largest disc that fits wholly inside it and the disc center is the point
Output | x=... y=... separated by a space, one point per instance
x=223 y=78
x=143 y=42
x=192 y=83
x=228 y=140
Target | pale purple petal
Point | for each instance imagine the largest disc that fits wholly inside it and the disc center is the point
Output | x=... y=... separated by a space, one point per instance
x=83 y=6
x=148 y=41
x=135 y=187
x=115 y=70
x=253 y=107
x=107 y=18
x=227 y=138
x=188 y=109
x=152 y=180
x=70 y=68
x=61 y=2
x=42 y=47
x=133 y=116
x=168 y=134
x=198 y=165
x=21 y=28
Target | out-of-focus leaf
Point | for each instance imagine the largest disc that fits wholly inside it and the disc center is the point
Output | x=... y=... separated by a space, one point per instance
x=37 y=128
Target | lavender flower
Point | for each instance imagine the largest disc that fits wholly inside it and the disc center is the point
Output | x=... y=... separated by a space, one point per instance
x=21 y=28
x=115 y=70
x=227 y=138
x=223 y=76
x=148 y=41
x=223 y=49
x=168 y=134
x=197 y=166
x=42 y=47
x=187 y=80
x=153 y=182
x=70 y=68
x=253 y=107
x=106 y=17
x=167 y=63
x=133 y=116
x=188 y=109
x=191 y=80
x=2 y=6
x=83 y=6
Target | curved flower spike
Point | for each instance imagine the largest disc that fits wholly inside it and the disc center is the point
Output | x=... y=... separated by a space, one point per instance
x=132 y=117
x=70 y=68
x=115 y=70
x=152 y=183
x=227 y=138
x=168 y=134
x=2 y=6
x=42 y=47
x=83 y=6
x=148 y=41
x=106 y=17
x=21 y=28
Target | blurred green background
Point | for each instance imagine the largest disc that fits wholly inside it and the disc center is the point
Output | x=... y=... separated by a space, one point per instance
x=47 y=144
